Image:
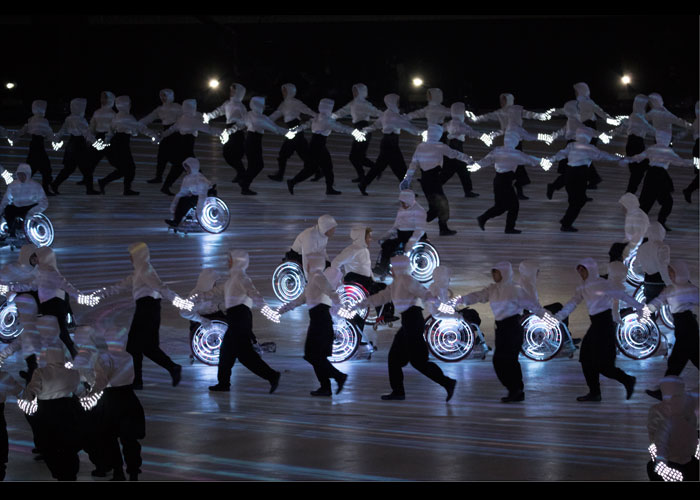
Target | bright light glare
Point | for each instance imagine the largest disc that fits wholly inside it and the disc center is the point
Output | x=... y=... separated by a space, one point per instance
x=417 y=82
x=626 y=80
x=213 y=83
x=9 y=85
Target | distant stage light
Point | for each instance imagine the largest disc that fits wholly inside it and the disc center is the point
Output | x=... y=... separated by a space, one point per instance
x=417 y=82
x=626 y=80
x=213 y=83
x=10 y=85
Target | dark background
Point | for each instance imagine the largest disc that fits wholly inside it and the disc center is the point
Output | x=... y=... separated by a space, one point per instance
x=471 y=58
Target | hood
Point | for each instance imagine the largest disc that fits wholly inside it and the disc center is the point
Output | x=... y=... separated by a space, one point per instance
x=39 y=107
x=123 y=103
x=682 y=272
x=511 y=140
x=581 y=89
x=435 y=96
x=441 y=277
x=239 y=260
x=326 y=223
x=656 y=101
x=617 y=273
x=571 y=109
x=168 y=95
x=590 y=266
x=25 y=253
x=325 y=106
x=193 y=164
x=25 y=169
x=434 y=133
x=357 y=233
x=392 y=102
x=457 y=111
x=656 y=232
x=291 y=90
x=509 y=99
x=629 y=201
x=77 y=106
x=361 y=90
x=257 y=104
x=400 y=264
x=47 y=258
x=528 y=271
x=506 y=270
x=109 y=96
x=238 y=92
x=639 y=105
x=584 y=134
x=54 y=354
x=206 y=280
x=189 y=106
x=333 y=275
x=315 y=262
x=140 y=255
x=116 y=338
x=408 y=197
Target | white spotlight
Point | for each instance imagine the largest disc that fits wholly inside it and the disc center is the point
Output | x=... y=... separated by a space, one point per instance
x=9 y=85
x=213 y=83
x=626 y=80
x=417 y=82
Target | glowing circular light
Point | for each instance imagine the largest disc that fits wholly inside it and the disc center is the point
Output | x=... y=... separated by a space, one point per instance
x=215 y=216
x=449 y=339
x=206 y=342
x=637 y=338
x=633 y=278
x=346 y=340
x=626 y=80
x=288 y=281
x=39 y=230
x=417 y=81
x=351 y=294
x=424 y=259
x=540 y=341
x=10 y=327
x=3 y=227
x=213 y=83
x=10 y=85
x=665 y=312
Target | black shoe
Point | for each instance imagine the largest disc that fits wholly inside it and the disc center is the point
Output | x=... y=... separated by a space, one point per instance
x=482 y=222
x=275 y=382
x=446 y=231
x=333 y=191
x=321 y=392
x=176 y=375
x=568 y=229
x=220 y=388
x=513 y=397
x=290 y=186
x=656 y=394
x=550 y=191
x=687 y=194
x=629 y=386
x=589 y=397
x=450 y=388
x=129 y=192
x=137 y=385
x=155 y=180
x=341 y=382
x=471 y=194
x=363 y=189
x=513 y=231
x=276 y=177
x=167 y=191
x=248 y=192
x=393 y=397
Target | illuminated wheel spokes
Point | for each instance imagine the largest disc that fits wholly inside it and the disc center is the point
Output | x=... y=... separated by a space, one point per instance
x=633 y=278
x=424 y=259
x=288 y=281
x=637 y=339
x=3 y=227
x=351 y=294
x=206 y=342
x=540 y=342
x=450 y=339
x=39 y=230
x=10 y=327
x=215 y=215
x=665 y=312
x=346 y=340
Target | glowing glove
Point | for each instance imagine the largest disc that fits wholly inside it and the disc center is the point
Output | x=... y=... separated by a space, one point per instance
x=550 y=321
x=292 y=132
x=470 y=115
x=4 y=289
x=697 y=452
x=546 y=164
x=696 y=162
x=10 y=141
x=89 y=402
x=154 y=139
x=546 y=138
x=605 y=138
x=646 y=313
x=346 y=313
x=446 y=308
x=549 y=112
x=473 y=167
x=99 y=145
x=57 y=145
x=7 y=176
x=652 y=451
x=486 y=139
x=88 y=300
x=205 y=117
x=224 y=136
x=68 y=365
x=334 y=116
x=424 y=135
x=28 y=407
x=668 y=473
x=184 y=304
x=616 y=121
x=359 y=136
x=270 y=314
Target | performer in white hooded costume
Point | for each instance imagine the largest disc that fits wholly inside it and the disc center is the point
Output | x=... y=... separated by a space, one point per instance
x=457 y=131
x=38 y=127
x=77 y=127
x=23 y=198
x=312 y=240
x=361 y=111
x=663 y=120
x=636 y=226
x=653 y=258
x=100 y=125
x=209 y=307
x=435 y=112
x=193 y=192
x=234 y=111
x=168 y=113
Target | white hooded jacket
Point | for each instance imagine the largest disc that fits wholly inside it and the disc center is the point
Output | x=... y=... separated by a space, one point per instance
x=681 y=295
x=653 y=256
x=102 y=118
x=209 y=297
x=291 y=108
x=435 y=113
x=506 y=158
x=429 y=154
x=660 y=155
x=168 y=112
x=52 y=380
x=456 y=128
x=588 y=109
x=663 y=120
x=404 y=291
x=22 y=194
x=581 y=153
x=239 y=288
x=392 y=121
x=360 y=109
x=37 y=124
x=193 y=184
x=636 y=220
x=313 y=240
x=355 y=258
x=510 y=115
x=125 y=123
x=75 y=124
x=21 y=271
x=190 y=121
x=324 y=123
x=321 y=287
x=409 y=219
x=233 y=109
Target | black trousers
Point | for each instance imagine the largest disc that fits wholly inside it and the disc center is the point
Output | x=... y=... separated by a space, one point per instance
x=409 y=347
x=39 y=160
x=123 y=161
x=686 y=346
x=234 y=150
x=72 y=158
x=318 y=158
x=237 y=344
x=432 y=189
x=319 y=345
x=59 y=309
x=576 y=183
x=593 y=178
x=254 y=156
x=635 y=145
x=521 y=177
x=123 y=421
x=562 y=168
x=358 y=151
x=12 y=213
x=144 y=337
x=506 y=199
x=93 y=157
x=389 y=154
x=657 y=186
x=391 y=246
x=183 y=149
x=653 y=286
x=451 y=166
x=509 y=341
x=297 y=145
x=597 y=356
x=58 y=436
x=184 y=205
x=4 y=442
x=167 y=152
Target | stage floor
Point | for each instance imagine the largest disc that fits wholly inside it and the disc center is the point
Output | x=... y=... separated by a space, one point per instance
x=248 y=434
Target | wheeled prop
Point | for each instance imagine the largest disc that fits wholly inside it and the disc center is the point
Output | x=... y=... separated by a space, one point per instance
x=346 y=340
x=206 y=342
x=451 y=339
x=541 y=342
x=36 y=229
x=350 y=294
x=638 y=338
x=214 y=219
x=424 y=259
x=633 y=278
x=288 y=281
x=10 y=327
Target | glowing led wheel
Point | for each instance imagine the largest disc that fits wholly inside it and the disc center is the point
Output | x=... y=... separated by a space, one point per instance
x=206 y=342
x=288 y=281
x=450 y=339
x=346 y=340
x=664 y=313
x=424 y=259
x=352 y=293
x=3 y=227
x=540 y=341
x=10 y=327
x=633 y=278
x=637 y=339
x=39 y=230
x=215 y=216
